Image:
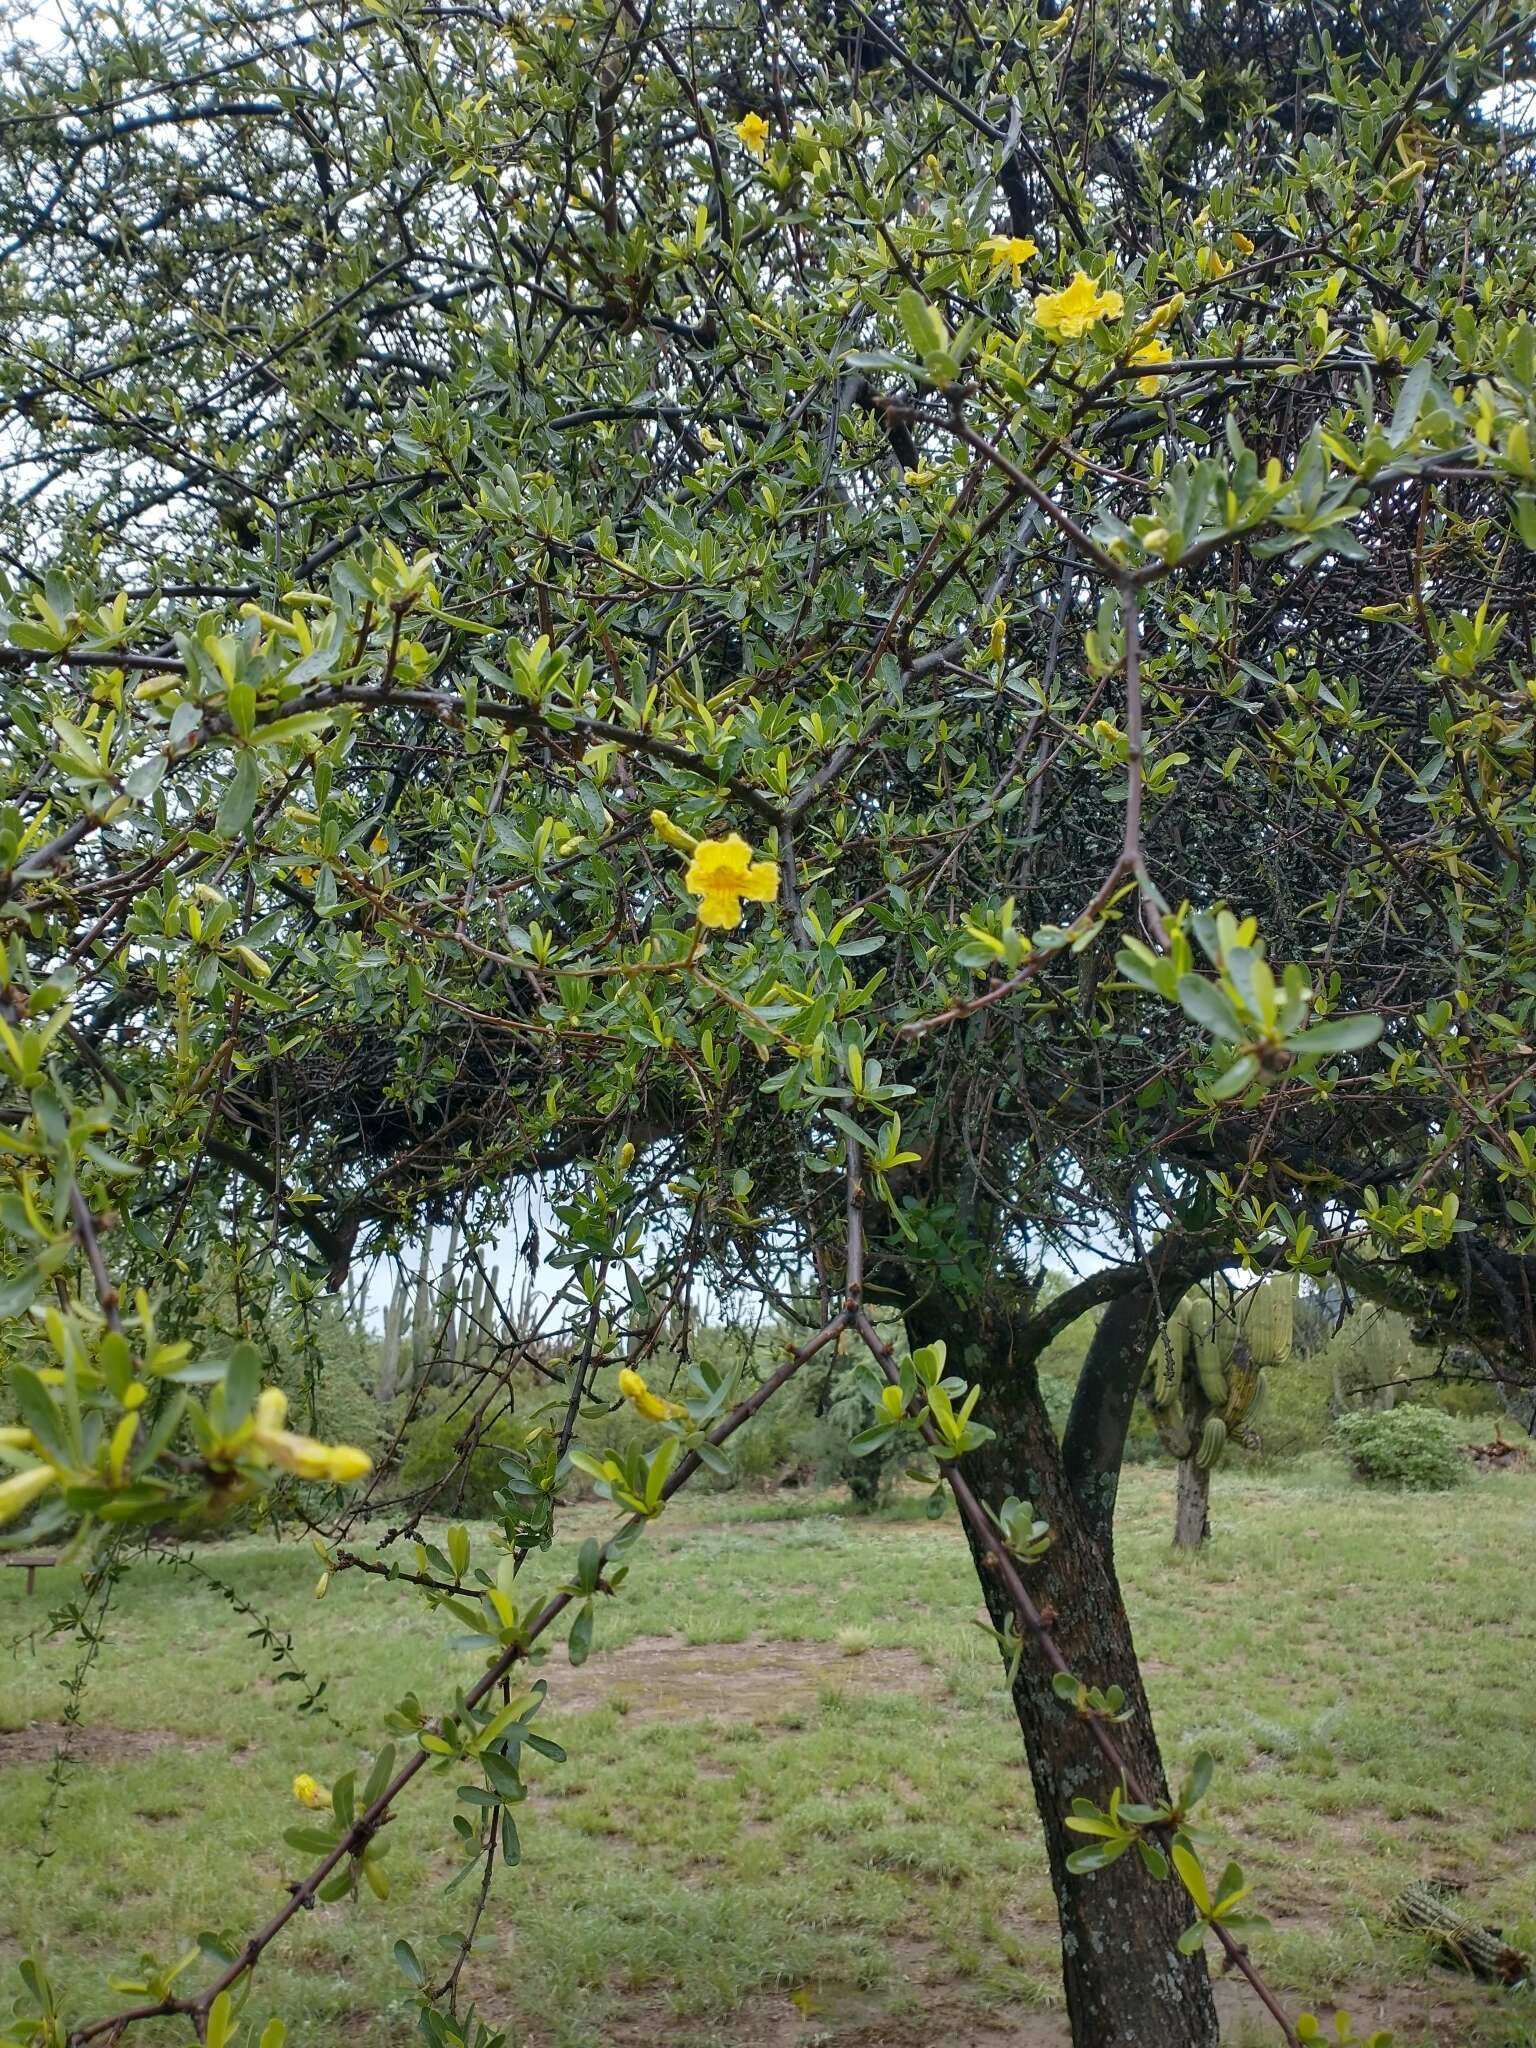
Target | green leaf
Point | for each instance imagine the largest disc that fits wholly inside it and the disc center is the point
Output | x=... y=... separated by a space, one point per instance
x=580 y=1642
x=1336 y=1034
x=1098 y=1855
x=1240 y=1075
x=1191 y=1876
x=923 y=323
x=1198 y=1783
x=36 y=1408
x=220 y=2024
x=242 y=1383
x=1210 y=1007
x=239 y=799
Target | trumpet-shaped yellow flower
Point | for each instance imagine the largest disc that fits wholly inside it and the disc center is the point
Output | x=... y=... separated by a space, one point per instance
x=722 y=874
x=347 y=1464
x=1065 y=315
x=1009 y=252
x=674 y=835
x=753 y=131
x=1241 y=242
x=1154 y=351
x=650 y=1405
x=22 y=1488
x=311 y=1793
x=1212 y=264
x=304 y=1456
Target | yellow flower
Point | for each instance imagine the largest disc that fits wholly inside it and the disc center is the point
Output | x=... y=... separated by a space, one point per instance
x=303 y=1455
x=650 y=1405
x=674 y=835
x=1241 y=242
x=1010 y=252
x=997 y=646
x=753 y=130
x=311 y=1793
x=1211 y=263
x=347 y=1463
x=1064 y=315
x=722 y=873
x=16 y=1439
x=1155 y=351
x=19 y=1491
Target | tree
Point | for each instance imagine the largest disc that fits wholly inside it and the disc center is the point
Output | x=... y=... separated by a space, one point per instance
x=868 y=651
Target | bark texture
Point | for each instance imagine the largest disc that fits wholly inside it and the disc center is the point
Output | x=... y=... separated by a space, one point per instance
x=1126 y=1984
x=1192 y=1514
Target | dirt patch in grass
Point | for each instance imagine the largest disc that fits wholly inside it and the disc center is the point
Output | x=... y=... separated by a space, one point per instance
x=841 y=2016
x=40 y=1742
x=1412 y=2014
x=664 y=1675
x=839 y=2021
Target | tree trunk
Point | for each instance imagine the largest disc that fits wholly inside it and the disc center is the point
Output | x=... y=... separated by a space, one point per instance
x=1192 y=1515
x=1126 y=1984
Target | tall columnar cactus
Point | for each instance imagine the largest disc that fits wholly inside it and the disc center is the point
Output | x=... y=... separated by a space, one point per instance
x=389 y=1381
x=1205 y=1383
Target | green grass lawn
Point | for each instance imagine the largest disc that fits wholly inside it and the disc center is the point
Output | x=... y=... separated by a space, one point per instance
x=795 y=1809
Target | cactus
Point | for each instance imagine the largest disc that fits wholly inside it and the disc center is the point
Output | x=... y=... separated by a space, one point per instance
x=1213 y=1441
x=390 y=1381
x=421 y=1309
x=1205 y=1382
x=1424 y=1910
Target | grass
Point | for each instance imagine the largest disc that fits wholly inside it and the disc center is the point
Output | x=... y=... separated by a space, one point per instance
x=804 y=1817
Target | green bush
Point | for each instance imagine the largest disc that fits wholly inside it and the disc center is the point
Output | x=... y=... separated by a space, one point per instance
x=1408 y=1446
x=1294 y=1415
x=431 y=1455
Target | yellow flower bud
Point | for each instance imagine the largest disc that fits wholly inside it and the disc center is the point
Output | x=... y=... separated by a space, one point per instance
x=19 y=1491
x=674 y=835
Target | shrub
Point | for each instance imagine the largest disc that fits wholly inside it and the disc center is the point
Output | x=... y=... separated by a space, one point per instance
x=1408 y=1446
x=432 y=1456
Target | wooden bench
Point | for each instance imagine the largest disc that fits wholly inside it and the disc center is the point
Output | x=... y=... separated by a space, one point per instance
x=31 y=1562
